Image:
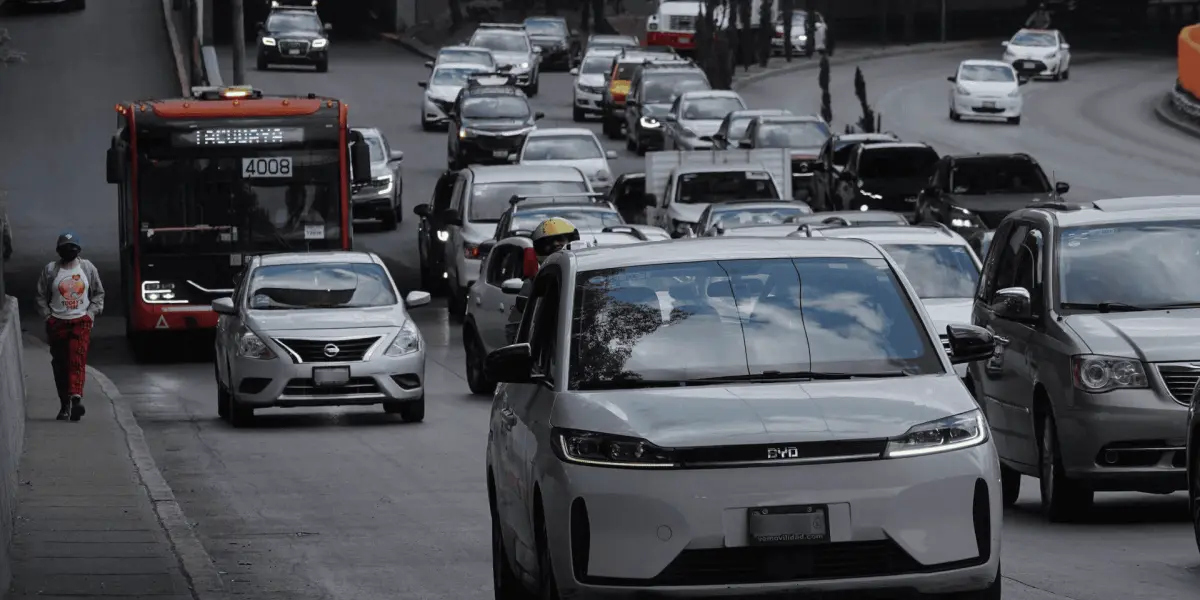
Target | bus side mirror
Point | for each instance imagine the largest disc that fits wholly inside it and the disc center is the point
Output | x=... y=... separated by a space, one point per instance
x=360 y=158
x=113 y=160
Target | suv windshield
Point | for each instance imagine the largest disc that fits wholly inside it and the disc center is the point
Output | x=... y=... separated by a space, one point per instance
x=495 y=107
x=279 y=22
x=710 y=109
x=977 y=177
x=501 y=42
x=937 y=270
x=490 y=200
x=722 y=186
x=735 y=218
x=897 y=163
x=320 y=285
x=661 y=88
x=795 y=134
x=1141 y=264
x=545 y=27
x=587 y=219
x=740 y=318
x=561 y=147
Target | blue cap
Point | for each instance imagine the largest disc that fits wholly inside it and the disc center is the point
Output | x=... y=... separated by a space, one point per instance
x=68 y=239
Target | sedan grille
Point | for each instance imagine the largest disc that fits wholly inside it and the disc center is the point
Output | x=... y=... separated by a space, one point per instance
x=307 y=388
x=1180 y=380
x=312 y=351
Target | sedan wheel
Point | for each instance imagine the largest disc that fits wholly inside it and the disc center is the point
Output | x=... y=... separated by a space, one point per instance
x=476 y=379
x=1194 y=493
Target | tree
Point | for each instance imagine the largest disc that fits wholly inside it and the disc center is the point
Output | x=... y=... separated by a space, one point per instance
x=7 y=54
x=823 y=80
x=810 y=29
x=787 y=8
x=766 y=28
x=867 y=122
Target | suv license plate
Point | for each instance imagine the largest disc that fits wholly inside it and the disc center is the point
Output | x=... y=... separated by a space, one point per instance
x=330 y=376
x=500 y=153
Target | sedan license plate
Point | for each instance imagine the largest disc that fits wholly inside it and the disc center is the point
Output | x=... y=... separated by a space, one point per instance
x=500 y=153
x=788 y=525
x=989 y=105
x=1027 y=64
x=330 y=376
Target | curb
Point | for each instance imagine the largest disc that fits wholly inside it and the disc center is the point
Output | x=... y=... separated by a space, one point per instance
x=181 y=71
x=1165 y=111
x=403 y=42
x=869 y=55
x=198 y=567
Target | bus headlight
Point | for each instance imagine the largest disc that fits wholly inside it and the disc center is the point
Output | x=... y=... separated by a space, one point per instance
x=160 y=292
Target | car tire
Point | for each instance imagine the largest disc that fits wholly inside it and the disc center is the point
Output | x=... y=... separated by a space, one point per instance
x=323 y=66
x=426 y=125
x=505 y=583
x=1066 y=74
x=991 y=592
x=456 y=302
x=1014 y=120
x=412 y=411
x=1010 y=486
x=578 y=115
x=612 y=128
x=222 y=395
x=1194 y=490
x=476 y=378
x=261 y=64
x=954 y=116
x=1063 y=500
x=388 y=219
x=240 y=416
x=547 y=583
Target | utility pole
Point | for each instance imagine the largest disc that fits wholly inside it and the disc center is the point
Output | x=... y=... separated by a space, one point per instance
x=239 y=42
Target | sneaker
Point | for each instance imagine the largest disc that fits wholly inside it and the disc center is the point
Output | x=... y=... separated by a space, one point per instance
x=63 y=413
x=77 y=409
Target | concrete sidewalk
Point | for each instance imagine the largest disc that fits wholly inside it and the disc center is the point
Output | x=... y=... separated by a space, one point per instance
x=87 y=526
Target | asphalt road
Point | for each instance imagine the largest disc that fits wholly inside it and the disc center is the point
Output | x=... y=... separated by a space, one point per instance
x=350 y=504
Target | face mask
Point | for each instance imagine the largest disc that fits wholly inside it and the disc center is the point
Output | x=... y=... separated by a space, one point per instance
x=68 y=253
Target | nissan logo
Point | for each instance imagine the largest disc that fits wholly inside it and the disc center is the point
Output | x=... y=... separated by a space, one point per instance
x=331 y=350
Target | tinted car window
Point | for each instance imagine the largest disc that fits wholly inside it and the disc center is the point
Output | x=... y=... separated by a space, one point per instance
x=502 y=42
x=582 y=218
x=561 y=147
x=691 y=321
x=733 y=218
x=495 y=107
x=662 y=87
x=710 y=108
x=972 y=177
x=897 y=163
x=490 y=200
x=320 y=285
x=937 y=270
x=293 y=22
x=1143 y=264
x=799 y=134
x=722 y=186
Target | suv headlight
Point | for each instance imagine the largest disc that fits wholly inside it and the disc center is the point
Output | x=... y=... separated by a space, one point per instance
x=649 y=122
x=943 y=435
x=317 y=44
x=251 y=346
x=614 y=451
x=406 y=342
x=268 y=41
x=1099 y=374
x=159 y=292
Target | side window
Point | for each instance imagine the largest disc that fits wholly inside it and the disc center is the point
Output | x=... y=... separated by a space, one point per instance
x=540 y=325
x=1028 y=271
x=497 y=260
x=444 y=192
x=456 y=197
x=1007 y=253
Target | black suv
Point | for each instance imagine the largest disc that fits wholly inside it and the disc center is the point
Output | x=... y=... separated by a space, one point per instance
x=560 y=45
x=651 y=92
x=885 y=176
x=293 y=35
x=831 y=159
x=974 y=192
x=489 y=123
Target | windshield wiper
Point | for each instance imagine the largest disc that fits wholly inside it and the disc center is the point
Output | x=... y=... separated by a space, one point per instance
x=1106 y=307
x=773 y=376
x=631 y=383
x=1170 y=305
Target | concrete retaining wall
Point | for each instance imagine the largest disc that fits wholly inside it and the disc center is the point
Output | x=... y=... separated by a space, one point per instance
x=12 y=426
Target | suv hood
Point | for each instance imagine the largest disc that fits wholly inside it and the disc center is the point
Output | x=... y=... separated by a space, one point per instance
x=1158 y=336
x=765 y=413
x=296 y=34
x=273 y=322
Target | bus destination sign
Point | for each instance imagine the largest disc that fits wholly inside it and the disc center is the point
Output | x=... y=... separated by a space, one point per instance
x=242 y=136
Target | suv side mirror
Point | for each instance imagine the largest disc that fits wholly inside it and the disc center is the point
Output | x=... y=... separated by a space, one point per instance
x=328 y=28
x=224 y=306
x=397 y=155
x=423 y=210
x=574 y=71
x=969 y=343
x=451 y=217
x=538 y=116
x=512 y=286
x=1014 y=304
x=1062 y=187
x=952 y=79
x=510 y=364
x=429 y=64
x=423 y=84
x=259 y=25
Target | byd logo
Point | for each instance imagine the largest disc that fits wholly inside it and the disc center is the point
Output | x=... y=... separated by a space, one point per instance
x=778 y=453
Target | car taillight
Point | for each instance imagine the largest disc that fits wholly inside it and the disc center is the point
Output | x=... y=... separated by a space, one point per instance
x=530 y=264
x=471 y=250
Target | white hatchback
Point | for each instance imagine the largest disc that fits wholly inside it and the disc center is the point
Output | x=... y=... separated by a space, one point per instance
x=986 y=89
x=1040 y=52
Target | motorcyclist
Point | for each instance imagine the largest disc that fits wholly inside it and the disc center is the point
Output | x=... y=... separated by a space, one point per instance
x=549 y=237
x=1040 y=19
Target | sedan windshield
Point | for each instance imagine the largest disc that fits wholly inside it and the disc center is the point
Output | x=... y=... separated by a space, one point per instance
x=496 y=107
x=502 y=42
x=723 y=186
x=979 y=177
x=587 y=219
x=545 y=27
x=320 y=285
x=720 y=321
x=735 y=218
x=937 y=271
x=490 y=200
x=1037 y=40
x=798 y=134
x=711 y=109
x=480 y=57
x=987 y=73
x=455 y=75
x=897 y=163
x=1140 y=264
x=561 y=147
x=595 y=65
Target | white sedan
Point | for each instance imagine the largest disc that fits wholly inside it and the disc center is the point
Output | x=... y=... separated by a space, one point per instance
x=570 y=147
x=986 y=89
x=1039 y=52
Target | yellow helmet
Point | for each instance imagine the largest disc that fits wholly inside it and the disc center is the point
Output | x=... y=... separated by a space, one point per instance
x=552 y=234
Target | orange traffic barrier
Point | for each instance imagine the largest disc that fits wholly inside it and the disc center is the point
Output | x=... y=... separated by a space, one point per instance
x=1189 y=59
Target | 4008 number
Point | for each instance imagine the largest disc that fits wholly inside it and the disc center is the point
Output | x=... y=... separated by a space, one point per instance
x=275 y=166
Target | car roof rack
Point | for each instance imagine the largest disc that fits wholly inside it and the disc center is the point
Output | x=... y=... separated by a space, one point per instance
x=519 y=198
x=514 y=26
x=634 y=231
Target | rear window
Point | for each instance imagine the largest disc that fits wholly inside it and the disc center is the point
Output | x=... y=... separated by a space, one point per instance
x=897 y=163
x=490 y=200
x=626 y=71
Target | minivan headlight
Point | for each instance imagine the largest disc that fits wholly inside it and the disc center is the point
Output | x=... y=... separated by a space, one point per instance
x=407 y=341
x=1099 y=374
x=943 y=435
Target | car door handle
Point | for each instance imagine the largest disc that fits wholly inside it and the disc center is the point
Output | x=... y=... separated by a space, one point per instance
x=508 y=417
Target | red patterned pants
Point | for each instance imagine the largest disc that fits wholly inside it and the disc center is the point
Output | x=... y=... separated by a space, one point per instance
x=69 y=342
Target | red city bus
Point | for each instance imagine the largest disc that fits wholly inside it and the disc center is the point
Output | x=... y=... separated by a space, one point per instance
x=205 y=181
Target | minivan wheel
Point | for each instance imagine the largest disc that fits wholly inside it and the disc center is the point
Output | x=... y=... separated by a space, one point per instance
x=1063 y=499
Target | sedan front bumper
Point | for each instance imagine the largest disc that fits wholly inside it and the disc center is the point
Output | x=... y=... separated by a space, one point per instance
x=987 y=108
x=281 y=382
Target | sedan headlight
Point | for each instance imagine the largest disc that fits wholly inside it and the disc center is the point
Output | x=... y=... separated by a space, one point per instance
x=962 y=218
x=943 y=435
x=961 y=91
x=1015 y=93
x=649 y=122
x=1099 y=374
x=1052 y=56
x=523 y=66
x=317 y=44
x=614 y=451
x=160 y=292
x=268 y=41
x=250 y=345
x=406 y=342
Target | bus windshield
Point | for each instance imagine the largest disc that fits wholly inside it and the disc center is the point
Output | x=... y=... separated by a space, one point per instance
x=191 y=204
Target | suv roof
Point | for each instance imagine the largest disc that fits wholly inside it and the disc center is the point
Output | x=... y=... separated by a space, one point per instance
x=895 y=145
x=931 y=234
x=991 y=156
x=702 y=249
x=1113 y=210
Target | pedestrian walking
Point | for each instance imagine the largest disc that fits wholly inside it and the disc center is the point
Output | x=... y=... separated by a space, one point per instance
x=70 y=297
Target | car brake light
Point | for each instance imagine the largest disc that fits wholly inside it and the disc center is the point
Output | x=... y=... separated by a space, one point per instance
x=530 y=264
